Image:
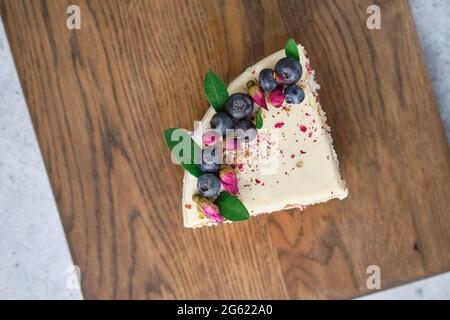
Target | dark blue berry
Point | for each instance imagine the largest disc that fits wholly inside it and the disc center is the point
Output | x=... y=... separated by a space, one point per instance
x=239 y=105
x=289 y=70
x=245 y=130
x=267 y=80
x=221 y=121
x=293 y=94
x=211 y=159
x=208 y=185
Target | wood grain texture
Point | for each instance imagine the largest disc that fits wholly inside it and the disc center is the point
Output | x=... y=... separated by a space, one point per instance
x=101 y=96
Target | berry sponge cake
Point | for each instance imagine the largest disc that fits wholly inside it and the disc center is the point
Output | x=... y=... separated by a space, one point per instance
x=264 y=145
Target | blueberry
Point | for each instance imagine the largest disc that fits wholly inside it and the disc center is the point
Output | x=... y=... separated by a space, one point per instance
x=289 y=70
x=293 y=94
x=245 y=130
x=267 y=80
x=208 y=185
x=221 y=121
x=211 y=160
x=239 y=105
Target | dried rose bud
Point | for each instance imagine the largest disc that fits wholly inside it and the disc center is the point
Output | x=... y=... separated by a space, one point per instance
x=276 y=98
x=257 y=93
x=229 y=179
x=208 y=209
x=210 y=137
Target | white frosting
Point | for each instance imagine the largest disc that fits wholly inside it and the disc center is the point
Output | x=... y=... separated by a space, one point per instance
x=306 y=169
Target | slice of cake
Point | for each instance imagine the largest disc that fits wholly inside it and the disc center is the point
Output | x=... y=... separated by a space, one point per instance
x=285 y=159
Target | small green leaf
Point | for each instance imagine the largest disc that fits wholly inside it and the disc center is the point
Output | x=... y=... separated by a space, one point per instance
x=231 y=208
x=291 y=50
x=181 y=142
x=259 y=119
x=216 y=92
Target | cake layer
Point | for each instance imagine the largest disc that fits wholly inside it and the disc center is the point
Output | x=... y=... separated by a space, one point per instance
x=292 y=163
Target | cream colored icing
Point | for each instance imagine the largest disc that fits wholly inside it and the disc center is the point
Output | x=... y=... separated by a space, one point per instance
x=306 y=167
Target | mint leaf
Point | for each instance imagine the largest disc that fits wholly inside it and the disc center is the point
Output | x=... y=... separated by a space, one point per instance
x=259 y=119
x=180 y=142
x=216 y=92
x=231 y=208
x=291 y=50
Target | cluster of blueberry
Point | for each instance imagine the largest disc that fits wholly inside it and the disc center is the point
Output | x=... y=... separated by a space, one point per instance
x=288 y=72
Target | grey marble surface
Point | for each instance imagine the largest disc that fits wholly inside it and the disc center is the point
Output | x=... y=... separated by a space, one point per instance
x=433 y=26
x=34 y=258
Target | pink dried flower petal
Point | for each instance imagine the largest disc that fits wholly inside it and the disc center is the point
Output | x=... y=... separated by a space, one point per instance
x=276 y=98
x=210 y=137
x=257 y=93
x=303 y=128
x=229 y=180
x=279 y=125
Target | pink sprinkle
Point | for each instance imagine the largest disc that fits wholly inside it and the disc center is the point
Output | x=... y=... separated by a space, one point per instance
x=307 y=114
x=310 y=135
x=257 y=181
x=240 y=166
x=303 y=128
x=302 y=152
x=292 y=156
x=279 y=125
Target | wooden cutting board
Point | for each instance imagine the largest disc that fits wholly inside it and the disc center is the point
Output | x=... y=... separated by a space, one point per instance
x=100 y=98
